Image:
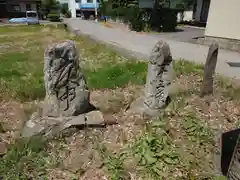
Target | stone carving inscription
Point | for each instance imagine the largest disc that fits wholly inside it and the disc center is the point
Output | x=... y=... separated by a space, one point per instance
x=66 y=90
x=66 y=102
x=158 y=79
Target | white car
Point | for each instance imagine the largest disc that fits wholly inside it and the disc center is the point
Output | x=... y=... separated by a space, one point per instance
x=32 y=17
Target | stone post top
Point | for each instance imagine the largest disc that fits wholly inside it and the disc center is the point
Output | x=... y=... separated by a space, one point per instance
x=62 y=44
x=160 y=51
x=61 y=54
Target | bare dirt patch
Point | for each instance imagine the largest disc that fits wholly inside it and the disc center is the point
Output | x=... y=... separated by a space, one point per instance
x=11 y=119
x=82 y=157
x=195 y=141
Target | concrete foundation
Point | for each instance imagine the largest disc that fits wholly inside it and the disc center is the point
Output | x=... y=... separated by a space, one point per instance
x=224 y=43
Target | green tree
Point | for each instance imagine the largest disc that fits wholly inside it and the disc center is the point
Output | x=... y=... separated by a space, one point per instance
x=49 y=6
x=182 y=4
x=64 y=8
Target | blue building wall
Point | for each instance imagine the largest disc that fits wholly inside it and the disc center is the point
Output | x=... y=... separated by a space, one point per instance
x=87 y=5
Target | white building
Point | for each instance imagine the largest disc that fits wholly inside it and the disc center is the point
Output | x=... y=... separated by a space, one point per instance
x=223 y=20
x=198 y=12
x=82 y=5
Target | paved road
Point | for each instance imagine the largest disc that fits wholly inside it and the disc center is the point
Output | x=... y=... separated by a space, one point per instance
x=140 y=45
x=184 y=34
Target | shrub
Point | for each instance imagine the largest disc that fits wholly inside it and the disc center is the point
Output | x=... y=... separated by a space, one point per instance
x=135 y=18
x=169 y=21
x=64 y=8
x=163 y=19
x=68 y=14
x=53 y=17
x=157 y=19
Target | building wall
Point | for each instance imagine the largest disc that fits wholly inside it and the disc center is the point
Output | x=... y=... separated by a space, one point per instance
x=187 y=16
x=86 y=4
x=191 y=15
x=223 y=19
x=198 y=10
x=22 y=6
x=74 y=5
x=78 y=3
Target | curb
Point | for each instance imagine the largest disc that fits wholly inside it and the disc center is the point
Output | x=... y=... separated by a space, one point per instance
x=195 y=27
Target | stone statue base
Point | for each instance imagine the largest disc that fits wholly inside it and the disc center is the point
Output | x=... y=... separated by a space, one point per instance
x=139 y=107
x=67 y=99
x=53 y=126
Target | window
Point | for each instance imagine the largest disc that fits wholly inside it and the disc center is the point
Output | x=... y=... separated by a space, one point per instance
x=89 y=1
x=31 y=14
x=14 y=8
x=28 y=7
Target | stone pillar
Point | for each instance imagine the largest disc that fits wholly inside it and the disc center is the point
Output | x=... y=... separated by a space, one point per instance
x=159 y=67
x=66 y=102
x=158 y=80
x=66 y=89
x=209 y=70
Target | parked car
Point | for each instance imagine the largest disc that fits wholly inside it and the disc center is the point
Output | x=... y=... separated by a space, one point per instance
x=32 y=17
x=18 y=20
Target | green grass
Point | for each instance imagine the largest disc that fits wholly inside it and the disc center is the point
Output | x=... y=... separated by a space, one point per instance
x=21 y=65
x=228 y=90
x=22 y=76
x=159 y=155
x=155 y=151
x=185 y=67
x=22 y=28
x=21 y=70
x=25 y=159
x=116 y=75
x=15 y=29
x=196 y=130
x=113 y=163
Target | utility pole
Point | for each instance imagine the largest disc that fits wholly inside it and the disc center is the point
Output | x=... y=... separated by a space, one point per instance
x=72 y=7
x=96 y=11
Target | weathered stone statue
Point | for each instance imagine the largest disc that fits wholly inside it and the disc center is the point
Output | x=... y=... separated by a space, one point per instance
x=209 y=70
x=67 y=96
x=66 y=90
x=156 y=91
x=158 y=80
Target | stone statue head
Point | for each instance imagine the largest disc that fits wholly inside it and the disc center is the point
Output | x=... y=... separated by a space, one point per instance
x=61 y=64
x=161 y=54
